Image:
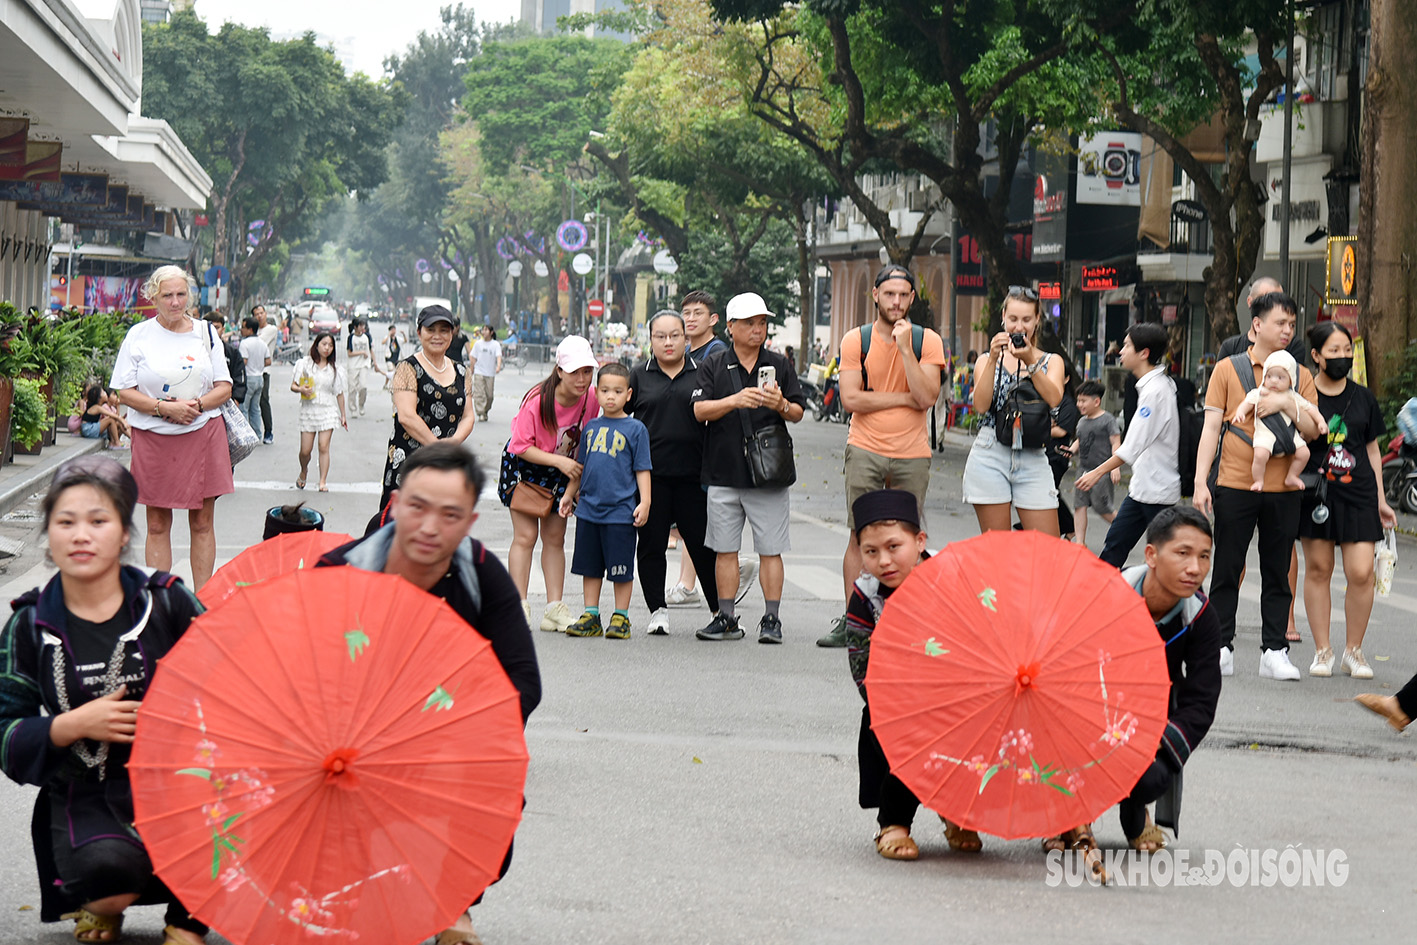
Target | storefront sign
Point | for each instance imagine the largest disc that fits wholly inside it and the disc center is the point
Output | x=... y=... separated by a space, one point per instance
x=1189 y=211
x=1050 y=291
x=1342 y=271
x=1050 y=210
x=1100 y=278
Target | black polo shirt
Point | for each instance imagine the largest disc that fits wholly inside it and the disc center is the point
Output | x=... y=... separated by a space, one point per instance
x=665 y=406
x=724 y=462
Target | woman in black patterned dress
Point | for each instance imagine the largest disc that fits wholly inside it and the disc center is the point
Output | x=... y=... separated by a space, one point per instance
x=431 y=397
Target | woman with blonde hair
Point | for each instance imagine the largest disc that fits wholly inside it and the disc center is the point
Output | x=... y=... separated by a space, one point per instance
x=171 y=373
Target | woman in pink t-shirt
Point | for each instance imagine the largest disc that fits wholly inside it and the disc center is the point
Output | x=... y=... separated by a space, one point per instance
x=542 y=451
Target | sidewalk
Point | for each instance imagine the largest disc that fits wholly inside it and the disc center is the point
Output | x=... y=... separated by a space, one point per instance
x=30 y=474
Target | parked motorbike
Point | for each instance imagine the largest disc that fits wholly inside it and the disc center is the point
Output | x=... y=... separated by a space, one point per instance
x=1399 y=467
x=811 y=392
x=830 y=408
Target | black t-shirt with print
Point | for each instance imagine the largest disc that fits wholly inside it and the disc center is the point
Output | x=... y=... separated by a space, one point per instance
x=92 y=645
x=1354 y=421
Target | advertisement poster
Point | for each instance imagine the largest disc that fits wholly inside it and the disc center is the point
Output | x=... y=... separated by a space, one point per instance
x=1109 y=169
x=111 y=294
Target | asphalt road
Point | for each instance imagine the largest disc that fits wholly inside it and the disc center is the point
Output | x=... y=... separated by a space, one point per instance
x=688 y=792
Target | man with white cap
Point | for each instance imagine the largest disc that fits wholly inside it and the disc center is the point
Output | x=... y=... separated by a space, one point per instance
x=747 y=395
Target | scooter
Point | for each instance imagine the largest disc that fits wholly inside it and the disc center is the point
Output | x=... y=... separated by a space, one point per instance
x=1399 y=465
x=830 y=408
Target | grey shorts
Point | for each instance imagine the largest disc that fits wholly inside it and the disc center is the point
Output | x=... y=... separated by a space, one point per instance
x=1099 y=497
x=767 y=510
x=867 y=471
x=994 y=474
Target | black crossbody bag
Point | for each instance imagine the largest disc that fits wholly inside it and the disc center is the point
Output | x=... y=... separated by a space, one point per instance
x=769 y=450
x=1024 y=407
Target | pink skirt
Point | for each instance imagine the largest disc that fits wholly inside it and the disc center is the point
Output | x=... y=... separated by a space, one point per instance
x=181 y=470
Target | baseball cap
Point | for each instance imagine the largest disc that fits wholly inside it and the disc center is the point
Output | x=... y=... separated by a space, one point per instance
x=746 y=305
x=574 y=353
x=432 y=314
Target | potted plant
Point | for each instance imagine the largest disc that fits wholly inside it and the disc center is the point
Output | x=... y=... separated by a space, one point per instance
x=55 y=356
x=14 y=356
x=27 y=416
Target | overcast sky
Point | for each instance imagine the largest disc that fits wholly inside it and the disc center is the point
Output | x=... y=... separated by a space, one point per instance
x=362 y=32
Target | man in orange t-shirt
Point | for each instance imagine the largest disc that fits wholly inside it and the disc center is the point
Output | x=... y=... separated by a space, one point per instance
x=1238 y=511
x=888 y=446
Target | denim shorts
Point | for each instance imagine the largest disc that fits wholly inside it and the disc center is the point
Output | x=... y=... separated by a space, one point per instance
x=995 y=474
x=90 y=429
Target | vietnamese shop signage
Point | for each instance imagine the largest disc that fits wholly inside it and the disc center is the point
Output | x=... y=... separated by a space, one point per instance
x=1342 y=271
x=1100 y=278
x=1109 y=169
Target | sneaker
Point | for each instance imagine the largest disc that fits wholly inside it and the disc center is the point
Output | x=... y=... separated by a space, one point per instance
x=619 y=628
x=269 y=439
x=526 y=609
x=588 y=625
x=556 y=618
x=658 y=622
x=679 y=595
x=1274 y=664
x=1322 y=664
x=836 y=636
x=747 y=574
x=769 y=629
x=721 y=628
x=1227 y=661
x=1354 y=664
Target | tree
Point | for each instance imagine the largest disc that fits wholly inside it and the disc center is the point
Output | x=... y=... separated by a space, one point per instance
x=1191 y=54
x=278 y=126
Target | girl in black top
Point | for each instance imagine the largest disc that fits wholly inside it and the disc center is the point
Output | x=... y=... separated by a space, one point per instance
x=1347 y=459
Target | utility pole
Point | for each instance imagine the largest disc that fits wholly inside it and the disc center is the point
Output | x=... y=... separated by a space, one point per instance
x=1288 y=148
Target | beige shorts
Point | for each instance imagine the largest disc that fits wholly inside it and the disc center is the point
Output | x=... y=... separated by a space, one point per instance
x=867 y=471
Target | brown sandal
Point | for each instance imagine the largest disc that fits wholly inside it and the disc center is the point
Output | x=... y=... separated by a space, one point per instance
x=898 y=846
x=1150 y=839
x=108 y=927
x=1055 y=844
x=962 y=839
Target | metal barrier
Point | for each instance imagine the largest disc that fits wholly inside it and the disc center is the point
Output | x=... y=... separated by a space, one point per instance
x=525 y=355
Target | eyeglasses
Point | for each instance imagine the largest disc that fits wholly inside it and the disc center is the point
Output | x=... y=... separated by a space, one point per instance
x=1022 y=292
x=674 y=337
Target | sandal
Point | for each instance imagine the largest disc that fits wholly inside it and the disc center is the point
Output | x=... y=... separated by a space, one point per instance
x=1055 y=844
x=1081 y=838
x=109 y=927
x=1291 y=635
x=458 y=937
x=324 y=488
x=300 y=483
x=962 y=839
x=1150 y=839
x=172 y=938
x=899 y=846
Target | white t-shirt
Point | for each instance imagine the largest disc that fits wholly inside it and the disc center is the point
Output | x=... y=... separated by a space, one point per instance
x=270 y=337
x=170 y=365
x=254 y=352
x=484 y=357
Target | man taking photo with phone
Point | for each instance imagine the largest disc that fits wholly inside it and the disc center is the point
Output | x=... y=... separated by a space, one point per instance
x=748 y=393
x=890 y=377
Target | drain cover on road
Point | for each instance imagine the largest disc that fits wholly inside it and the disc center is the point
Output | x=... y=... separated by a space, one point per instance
x=10 y=547
x=23 y=515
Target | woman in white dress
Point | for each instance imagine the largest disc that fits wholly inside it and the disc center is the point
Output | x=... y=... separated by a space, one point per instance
x=320 y=384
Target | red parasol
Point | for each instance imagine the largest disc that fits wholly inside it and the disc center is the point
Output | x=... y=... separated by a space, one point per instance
x=1017 y=684
x=271 y=558
x=331 y=755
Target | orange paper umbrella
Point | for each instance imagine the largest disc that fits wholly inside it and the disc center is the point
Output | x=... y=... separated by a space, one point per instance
x=271 y=558
x=330 y=756
x=1017 y=684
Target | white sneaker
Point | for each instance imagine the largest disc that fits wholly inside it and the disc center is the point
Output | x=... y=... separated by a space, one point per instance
x=679 y=595
x=1274 y=664
x=526 y=609
x=658 y=622
x=747 y=573
x=1354 y=664
x=1322 y=664
x=557 y=617
x=1227 y=661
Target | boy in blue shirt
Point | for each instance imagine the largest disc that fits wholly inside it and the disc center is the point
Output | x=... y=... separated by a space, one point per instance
x=614 y=454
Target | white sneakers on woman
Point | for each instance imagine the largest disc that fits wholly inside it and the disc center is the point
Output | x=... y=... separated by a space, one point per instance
x=1323 y=663
x=1354 y=664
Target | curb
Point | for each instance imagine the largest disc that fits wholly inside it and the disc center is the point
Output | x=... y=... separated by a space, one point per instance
x=21 y=487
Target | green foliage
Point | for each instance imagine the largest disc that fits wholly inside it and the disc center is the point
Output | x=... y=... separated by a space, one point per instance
x=1399 y=385
x=769 y=267
x=27 y=413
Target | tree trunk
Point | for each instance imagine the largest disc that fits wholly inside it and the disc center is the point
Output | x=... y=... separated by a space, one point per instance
x=1221 y=286
x=804 y=285
x=1387 y=210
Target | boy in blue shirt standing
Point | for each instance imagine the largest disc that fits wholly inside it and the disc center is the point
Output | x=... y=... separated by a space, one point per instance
x=614 y=454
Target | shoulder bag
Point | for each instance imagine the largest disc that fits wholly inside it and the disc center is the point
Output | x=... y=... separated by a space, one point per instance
x=769 y=450
x=241 y=440
x=1023 y=421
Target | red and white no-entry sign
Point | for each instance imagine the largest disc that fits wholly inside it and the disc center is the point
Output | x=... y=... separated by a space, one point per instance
x=595 y=308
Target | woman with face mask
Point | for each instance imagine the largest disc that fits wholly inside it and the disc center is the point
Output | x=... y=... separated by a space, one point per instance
x=1347 y=459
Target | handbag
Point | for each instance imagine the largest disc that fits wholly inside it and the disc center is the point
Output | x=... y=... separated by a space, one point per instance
x=1023 y=420
x=768 y=450
x=241 y=440
x=1385 y=562
x=531 y=499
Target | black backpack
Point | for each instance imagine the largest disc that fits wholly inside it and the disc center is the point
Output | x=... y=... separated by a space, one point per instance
x=1192 y=420
x=236 y=364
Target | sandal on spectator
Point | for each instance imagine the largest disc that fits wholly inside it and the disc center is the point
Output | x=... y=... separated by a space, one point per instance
x=898 y=845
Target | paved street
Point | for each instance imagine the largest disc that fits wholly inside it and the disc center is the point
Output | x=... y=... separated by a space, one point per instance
x=687 y=792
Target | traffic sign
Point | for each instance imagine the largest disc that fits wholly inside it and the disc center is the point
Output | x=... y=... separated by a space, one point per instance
x=581 y=263
x=514 y=268
x=540 y=269
x=595 y=308
x=665 y=264
x=217 y=275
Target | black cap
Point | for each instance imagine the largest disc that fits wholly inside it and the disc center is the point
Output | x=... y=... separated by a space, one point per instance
x=895 y=271
x=435 y=313
x=885 y=505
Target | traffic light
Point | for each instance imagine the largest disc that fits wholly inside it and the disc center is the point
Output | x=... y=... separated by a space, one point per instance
x=63 y=281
